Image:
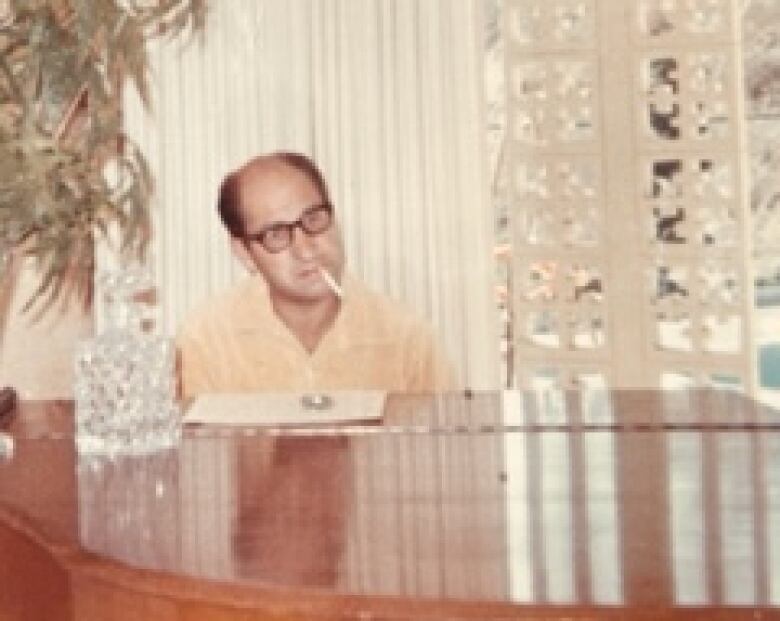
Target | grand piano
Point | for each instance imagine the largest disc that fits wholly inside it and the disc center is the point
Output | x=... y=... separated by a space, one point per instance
x=500 y=505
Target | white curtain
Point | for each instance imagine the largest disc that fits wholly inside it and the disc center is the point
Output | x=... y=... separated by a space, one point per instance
x=387 y=98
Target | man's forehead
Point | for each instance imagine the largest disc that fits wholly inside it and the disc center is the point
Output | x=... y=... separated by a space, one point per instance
x=271 y=173
x=274 y=184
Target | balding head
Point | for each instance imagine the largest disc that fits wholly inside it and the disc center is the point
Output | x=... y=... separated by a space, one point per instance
x=263 y=167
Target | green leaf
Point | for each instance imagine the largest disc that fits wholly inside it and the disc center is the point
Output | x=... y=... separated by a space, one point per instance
x=53 y=196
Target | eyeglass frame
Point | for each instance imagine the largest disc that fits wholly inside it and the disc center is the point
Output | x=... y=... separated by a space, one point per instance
x=289 y=227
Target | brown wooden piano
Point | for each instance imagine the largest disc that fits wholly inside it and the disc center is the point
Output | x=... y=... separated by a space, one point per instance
x=579 y=505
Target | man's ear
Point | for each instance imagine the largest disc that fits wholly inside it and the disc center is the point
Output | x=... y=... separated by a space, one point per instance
x=241 y=252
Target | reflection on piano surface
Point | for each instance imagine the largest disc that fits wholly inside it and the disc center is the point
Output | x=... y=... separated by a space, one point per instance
x=592 y=498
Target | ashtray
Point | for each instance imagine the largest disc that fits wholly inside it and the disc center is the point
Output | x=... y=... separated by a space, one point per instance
x=317 y=401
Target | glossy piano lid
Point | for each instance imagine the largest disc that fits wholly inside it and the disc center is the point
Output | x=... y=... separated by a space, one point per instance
x=619 y=499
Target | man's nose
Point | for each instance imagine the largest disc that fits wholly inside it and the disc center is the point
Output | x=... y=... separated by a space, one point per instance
x=302 y=245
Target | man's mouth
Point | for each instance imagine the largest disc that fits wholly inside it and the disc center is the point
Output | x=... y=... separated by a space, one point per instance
x=309 y=272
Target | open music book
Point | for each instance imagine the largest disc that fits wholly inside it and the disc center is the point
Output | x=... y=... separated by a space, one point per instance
x=286 y=408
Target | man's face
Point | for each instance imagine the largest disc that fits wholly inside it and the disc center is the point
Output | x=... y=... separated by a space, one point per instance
x=276 y=193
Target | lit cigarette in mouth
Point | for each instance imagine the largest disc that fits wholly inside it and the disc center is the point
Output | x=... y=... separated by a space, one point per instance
x=331 y=282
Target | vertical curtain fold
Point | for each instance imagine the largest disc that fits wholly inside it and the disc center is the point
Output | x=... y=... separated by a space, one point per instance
x=386 y=96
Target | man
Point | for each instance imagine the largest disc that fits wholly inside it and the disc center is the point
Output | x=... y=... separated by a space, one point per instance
x=299 y=323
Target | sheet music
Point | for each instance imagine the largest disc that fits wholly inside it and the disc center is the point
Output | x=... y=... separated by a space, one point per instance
x=286 y=408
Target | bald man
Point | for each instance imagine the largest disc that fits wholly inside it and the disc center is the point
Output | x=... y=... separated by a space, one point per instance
x=299 y=322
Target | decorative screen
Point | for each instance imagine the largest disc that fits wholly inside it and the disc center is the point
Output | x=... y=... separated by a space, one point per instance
x=624 y=180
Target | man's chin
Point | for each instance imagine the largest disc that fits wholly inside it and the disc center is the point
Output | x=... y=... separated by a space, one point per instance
x=305 y=296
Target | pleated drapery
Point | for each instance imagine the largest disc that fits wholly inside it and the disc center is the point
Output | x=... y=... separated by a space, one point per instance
x=387 y=98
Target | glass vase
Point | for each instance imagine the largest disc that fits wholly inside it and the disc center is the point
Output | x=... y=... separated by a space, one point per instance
x=124 y=377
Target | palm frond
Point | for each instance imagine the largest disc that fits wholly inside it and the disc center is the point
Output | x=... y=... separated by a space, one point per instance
x=63 y=64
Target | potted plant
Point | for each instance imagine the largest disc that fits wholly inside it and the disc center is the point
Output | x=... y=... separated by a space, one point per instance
x=68 y=174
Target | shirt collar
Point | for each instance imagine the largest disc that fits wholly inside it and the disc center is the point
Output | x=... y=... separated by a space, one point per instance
x=255 y=312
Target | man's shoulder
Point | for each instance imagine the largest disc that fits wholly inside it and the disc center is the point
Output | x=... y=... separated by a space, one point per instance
x=225 y=308
x=382 y=312
x=390 y=323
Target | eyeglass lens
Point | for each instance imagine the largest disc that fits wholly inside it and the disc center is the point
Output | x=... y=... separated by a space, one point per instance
x=313 y=221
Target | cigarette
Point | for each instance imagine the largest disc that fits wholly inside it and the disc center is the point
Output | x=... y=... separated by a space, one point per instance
x=331 y=282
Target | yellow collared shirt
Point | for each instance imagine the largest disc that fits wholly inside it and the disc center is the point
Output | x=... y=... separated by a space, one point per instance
x=238 y=344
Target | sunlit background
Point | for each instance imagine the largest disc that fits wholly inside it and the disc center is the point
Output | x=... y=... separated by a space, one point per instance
x=541 y=333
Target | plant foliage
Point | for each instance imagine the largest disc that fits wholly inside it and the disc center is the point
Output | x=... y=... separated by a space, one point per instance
x=68 y=174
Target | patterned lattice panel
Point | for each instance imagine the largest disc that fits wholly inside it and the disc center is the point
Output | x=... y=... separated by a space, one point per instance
x=625 y=183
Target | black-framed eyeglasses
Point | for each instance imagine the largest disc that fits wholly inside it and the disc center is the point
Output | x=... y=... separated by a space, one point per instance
x=278 y=236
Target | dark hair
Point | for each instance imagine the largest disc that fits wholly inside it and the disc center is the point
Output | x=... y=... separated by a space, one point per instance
x=230 y=188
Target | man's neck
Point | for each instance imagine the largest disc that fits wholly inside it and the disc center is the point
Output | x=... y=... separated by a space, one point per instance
x=308 y=322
